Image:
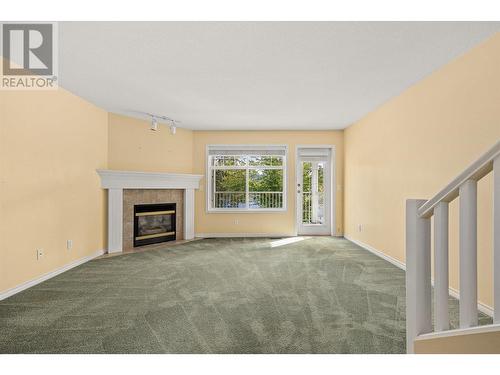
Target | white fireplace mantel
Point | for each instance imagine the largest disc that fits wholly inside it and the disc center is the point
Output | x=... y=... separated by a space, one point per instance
x=116 y=181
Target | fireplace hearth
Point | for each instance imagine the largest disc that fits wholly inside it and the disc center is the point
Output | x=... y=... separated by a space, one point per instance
x=154 y=223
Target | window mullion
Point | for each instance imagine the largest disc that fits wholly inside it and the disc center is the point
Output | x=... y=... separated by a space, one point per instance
x=214 y=199
x=247 y=187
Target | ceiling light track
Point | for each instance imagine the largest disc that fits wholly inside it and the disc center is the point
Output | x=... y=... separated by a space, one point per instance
x=155 y=121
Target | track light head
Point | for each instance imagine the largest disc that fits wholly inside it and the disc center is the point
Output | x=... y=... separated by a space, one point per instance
x=154 y=124
x=173 y=128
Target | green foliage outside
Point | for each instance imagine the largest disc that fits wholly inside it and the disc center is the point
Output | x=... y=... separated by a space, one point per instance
x=260 y=180
x=307 y=177
x=230 y=180
x=307 y=188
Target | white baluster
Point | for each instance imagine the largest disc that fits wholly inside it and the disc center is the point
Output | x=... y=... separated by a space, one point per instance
x=468 y=254
x=441 y=267
x=418 y=273
x=496 y=239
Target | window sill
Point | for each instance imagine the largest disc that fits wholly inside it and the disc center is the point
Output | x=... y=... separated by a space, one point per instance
x=246 y=211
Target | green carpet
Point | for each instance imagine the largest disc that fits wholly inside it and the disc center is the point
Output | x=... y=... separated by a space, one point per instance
x=319 y=295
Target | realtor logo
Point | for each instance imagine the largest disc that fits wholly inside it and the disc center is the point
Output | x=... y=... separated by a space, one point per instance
x=29 y=56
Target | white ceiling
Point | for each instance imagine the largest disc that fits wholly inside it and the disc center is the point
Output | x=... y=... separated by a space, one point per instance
x=256 y=75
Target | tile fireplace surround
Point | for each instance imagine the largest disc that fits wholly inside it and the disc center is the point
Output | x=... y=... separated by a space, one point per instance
x=115 y=182
x=132 y=197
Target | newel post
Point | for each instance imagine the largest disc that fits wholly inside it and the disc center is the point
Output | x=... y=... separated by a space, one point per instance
x=418 y=273
x=496 y=239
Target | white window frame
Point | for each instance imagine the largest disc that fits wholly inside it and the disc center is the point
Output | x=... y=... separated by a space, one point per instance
x=239 y=149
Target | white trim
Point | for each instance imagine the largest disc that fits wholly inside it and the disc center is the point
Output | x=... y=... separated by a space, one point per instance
x=333 y=192
x=115 y=220
x=239 y=235
x=111 y=179
x=263 y=147
x=378 y=253
x=188 y=214
x=248 y=147
x=245 y=210
x=496 y=239
x=49 y=275
x=485 y=309
x=459 y=332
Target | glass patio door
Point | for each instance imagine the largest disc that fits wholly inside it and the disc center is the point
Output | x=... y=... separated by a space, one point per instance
x=313 y=192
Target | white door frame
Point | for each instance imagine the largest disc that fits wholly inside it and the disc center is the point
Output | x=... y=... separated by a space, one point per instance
x=333 y=186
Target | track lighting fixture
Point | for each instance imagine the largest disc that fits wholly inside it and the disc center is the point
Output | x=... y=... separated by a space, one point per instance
x=155 y=122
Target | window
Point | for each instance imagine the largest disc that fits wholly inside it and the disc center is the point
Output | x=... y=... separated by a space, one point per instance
x=246 y=178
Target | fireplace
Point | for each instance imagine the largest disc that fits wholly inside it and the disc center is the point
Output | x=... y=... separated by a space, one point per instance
x=154 y=223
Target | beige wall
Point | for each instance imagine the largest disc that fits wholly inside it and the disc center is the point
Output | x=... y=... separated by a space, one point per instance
x=51 y=143
x=487 y=342
x=416 y=143
x=272 y=223
x=133 y=146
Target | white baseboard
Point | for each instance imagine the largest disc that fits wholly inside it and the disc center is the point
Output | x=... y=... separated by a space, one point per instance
x=378 y=253
x=485 y=309
x=239 y=235
x=38 y=280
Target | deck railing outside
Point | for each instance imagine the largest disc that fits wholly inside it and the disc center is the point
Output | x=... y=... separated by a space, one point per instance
x=418 y=252
x=236 y=199
x=266 y=199
x=312 y=213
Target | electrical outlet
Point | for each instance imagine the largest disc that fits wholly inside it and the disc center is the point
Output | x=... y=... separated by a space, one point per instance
x=236 y=222
x=39 y=254
x=69 y=244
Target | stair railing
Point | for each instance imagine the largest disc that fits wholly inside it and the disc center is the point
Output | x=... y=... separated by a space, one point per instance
x=418 y=252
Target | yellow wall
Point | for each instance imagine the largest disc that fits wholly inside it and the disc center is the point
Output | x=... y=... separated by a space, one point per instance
x=415 y=144
x=487 y=342
x=51 y=143
x=272 y=223
x=133 y=146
